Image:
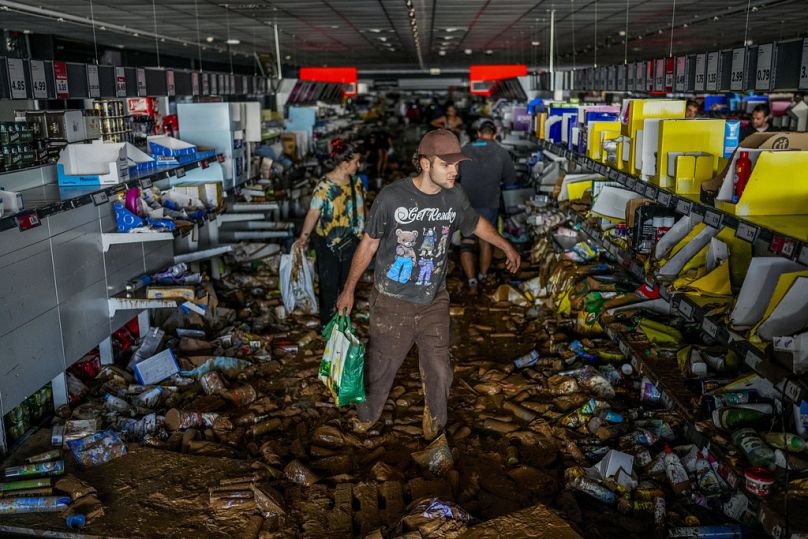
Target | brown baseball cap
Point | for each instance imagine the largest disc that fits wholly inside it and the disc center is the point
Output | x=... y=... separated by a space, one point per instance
x=442 y=143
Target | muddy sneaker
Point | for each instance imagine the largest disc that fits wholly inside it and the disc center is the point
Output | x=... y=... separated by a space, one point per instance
x=361 y=427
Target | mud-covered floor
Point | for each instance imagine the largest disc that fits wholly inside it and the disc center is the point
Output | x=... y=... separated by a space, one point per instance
x=508 y=453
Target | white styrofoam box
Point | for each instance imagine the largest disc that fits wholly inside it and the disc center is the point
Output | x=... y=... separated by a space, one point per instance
x=87 y=164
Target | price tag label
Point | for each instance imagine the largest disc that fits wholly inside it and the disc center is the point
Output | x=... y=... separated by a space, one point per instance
x=27 y=220
x=613 y=174
x=60 y=78
x=701 y=68
x=649 y=76
x=686 y=309
x=746 y=232
x=194 y=83
x=145 y=183
x=214 y=84
x=664 y=198
x=681 y=74
x=93 y=85
x=788 y=248
x=100 y=198
x=659 y=75
x=621 y=78
x=651 y=192
x=803 y=258
x=639 y=81
x=736 y=72
x=141 y=81
x=204 y=164
x=793 y=391
x=804 y=66
x=752 y=359
x=170 y=87
x=16 y=78
x=180 y=173
x=631 y=182
x=639 y=187
x=763 y=75
x=38 y=82
x=709 y=327
x=713 y=218
x=205 y=84
x=683 y=206
x=245 y=85
x=711 y=84
x=120 y=82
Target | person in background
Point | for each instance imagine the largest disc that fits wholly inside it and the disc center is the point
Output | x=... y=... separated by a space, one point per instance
x=337 y=218
x=408 y=229
x=692 y=109
x=383 y=145
x=451 y=120
x=760 y=123
x=490 y=165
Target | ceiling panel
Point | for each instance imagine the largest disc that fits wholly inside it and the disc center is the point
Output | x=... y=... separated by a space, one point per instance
x=377 y=34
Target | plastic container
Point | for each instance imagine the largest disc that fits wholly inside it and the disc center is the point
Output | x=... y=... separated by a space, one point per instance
x=675 y=471
x=758 y=481
x=743 y=169
x=757 y=452
x=526 y=360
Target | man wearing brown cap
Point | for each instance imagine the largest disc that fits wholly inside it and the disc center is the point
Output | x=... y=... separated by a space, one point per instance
x=409 y=226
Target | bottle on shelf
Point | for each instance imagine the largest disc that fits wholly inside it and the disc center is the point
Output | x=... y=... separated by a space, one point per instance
x=743 y=169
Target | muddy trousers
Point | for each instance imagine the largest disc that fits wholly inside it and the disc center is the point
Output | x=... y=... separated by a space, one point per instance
x=396 y=325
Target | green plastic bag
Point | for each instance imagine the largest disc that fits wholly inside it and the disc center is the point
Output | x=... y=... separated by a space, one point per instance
x=342 y=368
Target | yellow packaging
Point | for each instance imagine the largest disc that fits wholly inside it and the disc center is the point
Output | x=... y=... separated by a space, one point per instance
x=186 y=293
x=641 y=109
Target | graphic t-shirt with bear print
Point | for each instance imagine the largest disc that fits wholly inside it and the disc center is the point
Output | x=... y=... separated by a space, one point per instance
x=415 y=230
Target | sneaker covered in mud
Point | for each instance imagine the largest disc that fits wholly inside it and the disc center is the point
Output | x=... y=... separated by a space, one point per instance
x=361 y=427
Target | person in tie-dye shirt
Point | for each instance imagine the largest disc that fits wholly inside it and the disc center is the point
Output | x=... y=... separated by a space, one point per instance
x=336 y=216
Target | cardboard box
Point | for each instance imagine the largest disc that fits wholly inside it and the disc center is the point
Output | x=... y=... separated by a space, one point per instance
x=171 y=292
x=689 y=169
x=638 y=111
x=156 y=368
x=778 y=141
x=688 y=137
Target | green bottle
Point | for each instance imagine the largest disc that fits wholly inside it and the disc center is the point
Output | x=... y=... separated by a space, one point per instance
x=785 y=440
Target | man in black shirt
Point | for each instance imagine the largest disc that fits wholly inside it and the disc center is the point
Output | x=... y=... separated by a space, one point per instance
x=760 y=123
x=490 y=165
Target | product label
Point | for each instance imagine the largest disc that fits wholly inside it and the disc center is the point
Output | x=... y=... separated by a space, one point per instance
x=141 y=82
x=701 y=67
x=170 y=87
x=681 y=74
x=93 y=85
x=120 y=82
x=763 y=74
x=804 y=66
x=711 y=84
x=659 y=75
x=732 y=137
x=736 y=73
x=194 y=83
x=60 y=77
x=16 y=78
x=38 y=83
x=205 y=84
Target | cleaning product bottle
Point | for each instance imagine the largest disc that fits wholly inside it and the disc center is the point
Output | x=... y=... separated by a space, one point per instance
x=675 y=470
x=785 y=440
x=755 y=449
x=743 y=169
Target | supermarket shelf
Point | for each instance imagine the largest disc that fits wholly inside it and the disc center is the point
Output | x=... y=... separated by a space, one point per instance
x=254 y=206
x=202 y=255
x=113 y=238
x=768 y=229
x=793 y=388
x=237 y=217
x=51 y=199
x=139 y=303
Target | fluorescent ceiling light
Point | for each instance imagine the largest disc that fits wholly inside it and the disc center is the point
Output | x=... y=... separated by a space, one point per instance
x=232 y=41
x=535 y=43
x=441 y=53
x=209 y=39
x=467 y=51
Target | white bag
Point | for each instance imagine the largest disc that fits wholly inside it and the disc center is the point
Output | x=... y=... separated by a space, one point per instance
x=297 y=289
